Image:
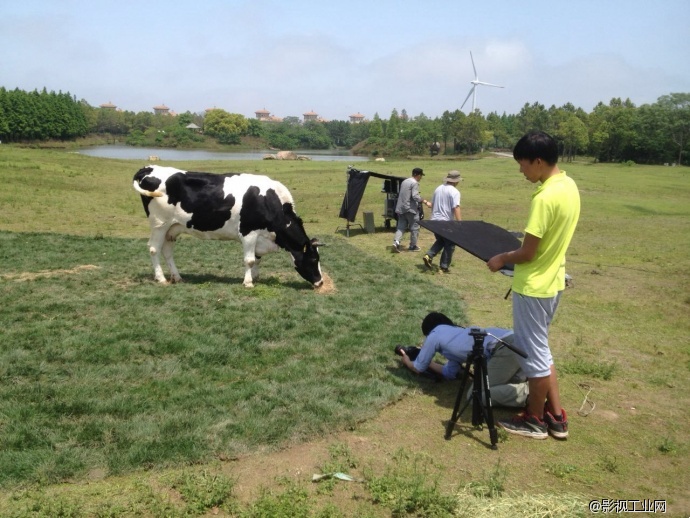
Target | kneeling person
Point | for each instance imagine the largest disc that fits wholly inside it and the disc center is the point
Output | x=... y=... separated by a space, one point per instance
x=507 y=382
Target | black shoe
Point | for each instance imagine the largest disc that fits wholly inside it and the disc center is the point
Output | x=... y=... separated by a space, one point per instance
x=396 y=247
x=414 y=249
x=557 y=428
x=526 y=425
x=427 y=261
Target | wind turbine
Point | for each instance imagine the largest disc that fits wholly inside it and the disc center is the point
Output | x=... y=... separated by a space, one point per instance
x=475 y=83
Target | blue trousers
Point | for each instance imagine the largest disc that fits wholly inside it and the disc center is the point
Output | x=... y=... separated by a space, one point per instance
x=446 y=248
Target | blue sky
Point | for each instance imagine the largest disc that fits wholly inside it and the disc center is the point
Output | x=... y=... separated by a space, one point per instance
x=339 y=58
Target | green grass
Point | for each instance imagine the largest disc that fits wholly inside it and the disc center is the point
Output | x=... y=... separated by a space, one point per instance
x=105 y=367
x=103 y=371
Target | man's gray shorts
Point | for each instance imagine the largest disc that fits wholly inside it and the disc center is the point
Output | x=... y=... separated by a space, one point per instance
x=532 y=317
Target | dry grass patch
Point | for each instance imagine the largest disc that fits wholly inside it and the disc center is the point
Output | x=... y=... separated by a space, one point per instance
x=328 y=286
x=31 y=276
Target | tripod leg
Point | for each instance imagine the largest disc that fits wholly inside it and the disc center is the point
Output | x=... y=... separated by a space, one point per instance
x=458 y=401
x=477 y=391
x=488 y=409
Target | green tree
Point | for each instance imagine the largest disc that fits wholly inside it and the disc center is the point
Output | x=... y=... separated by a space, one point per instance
x=499 y=132
x=376 y=127
x=359 y=132
x=534 y=117
x=338 y=131
x=652 y=143
x=255 y=128
x=226 y=127
x=110 y=121
x=446 y=127
x=185 y=119
x=40 y=116
x=393 y=126
x=612 y=131
x=4 y=114
x=676 y=111
x=313 y=135
x=472 y=132
x=572 y=134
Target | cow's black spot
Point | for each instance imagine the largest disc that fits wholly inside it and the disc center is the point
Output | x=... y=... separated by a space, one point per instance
x=261 y=211
x=201 y=195
x=148 y=183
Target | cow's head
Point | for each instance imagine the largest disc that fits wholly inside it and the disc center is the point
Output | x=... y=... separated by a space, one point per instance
x=307 y=263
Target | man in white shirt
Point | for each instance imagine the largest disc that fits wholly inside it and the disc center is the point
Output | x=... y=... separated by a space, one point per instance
x=445 y=206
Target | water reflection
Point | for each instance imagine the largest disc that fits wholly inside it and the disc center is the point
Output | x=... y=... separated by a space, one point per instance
x=143 y=153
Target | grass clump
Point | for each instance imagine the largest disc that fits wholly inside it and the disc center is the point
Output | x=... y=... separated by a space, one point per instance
x=205 y=490
x=410 y=486
x=491 y=486
x=290 y=499
x=580 y=366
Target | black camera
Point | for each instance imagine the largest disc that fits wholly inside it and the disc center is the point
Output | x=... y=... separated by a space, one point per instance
x=410 y=351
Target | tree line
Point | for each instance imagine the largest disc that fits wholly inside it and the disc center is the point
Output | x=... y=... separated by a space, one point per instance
x=618 y=131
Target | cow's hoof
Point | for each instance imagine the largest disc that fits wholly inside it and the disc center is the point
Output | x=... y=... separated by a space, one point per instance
x=248 y=285
x=176 y=280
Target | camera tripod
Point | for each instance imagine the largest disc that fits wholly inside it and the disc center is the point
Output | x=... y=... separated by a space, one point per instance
x=481 y=408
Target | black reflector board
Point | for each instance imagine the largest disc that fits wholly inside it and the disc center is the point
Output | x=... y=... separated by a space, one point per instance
x=481 y=239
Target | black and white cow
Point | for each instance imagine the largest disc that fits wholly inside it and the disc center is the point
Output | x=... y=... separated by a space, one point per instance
x=251 y=209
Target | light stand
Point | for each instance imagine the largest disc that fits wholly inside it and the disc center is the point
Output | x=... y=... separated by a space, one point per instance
x=481 y=394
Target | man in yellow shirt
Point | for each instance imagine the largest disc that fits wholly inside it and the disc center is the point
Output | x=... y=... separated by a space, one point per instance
x=539 y=280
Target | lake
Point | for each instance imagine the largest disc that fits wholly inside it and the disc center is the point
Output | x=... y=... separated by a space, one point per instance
x=143 y=153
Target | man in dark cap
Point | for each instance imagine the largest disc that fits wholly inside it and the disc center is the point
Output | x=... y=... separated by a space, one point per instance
x=407 y=210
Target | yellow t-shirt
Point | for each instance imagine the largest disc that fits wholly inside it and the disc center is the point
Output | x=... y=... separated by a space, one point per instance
x=553 y=217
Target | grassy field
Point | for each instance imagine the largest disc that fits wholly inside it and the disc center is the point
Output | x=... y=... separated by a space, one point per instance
x=119 y=396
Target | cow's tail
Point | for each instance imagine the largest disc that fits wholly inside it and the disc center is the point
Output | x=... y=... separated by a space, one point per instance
x=143 y=192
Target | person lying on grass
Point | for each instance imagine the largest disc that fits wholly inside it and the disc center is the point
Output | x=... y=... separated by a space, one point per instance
x=507 y=382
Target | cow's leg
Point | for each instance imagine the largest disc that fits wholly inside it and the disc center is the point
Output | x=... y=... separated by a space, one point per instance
x=250 y=260
x=255 y=268
x=168 y=247
x=263 y=246
x=156 y=244
x=167 y=250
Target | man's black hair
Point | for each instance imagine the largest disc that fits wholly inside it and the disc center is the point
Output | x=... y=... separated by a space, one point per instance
x=434 y=319
x=536 y=144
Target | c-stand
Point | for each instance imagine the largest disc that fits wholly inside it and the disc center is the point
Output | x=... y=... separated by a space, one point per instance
x=481 y=409
x=347 y=204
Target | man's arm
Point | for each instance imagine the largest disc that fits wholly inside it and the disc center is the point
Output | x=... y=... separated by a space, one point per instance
x=418 y=197
x=457 y=214
x=434 y=367
x=523 y=254
x=407 y=362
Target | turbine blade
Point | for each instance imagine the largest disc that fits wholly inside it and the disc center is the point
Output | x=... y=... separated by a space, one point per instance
x=476 y=77
x=488 y=84
x=468 y=96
